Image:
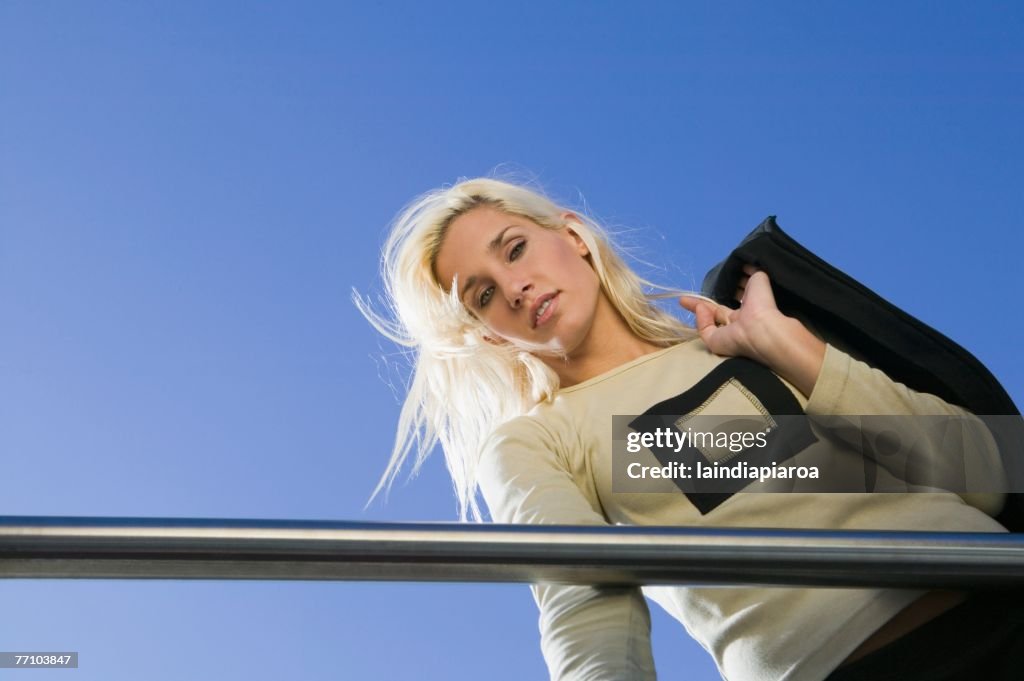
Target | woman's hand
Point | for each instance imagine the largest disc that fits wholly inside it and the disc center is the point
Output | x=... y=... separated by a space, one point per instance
x=734 y=333
x=759 y=331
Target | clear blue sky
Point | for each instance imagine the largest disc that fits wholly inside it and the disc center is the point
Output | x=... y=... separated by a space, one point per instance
x=189 y=191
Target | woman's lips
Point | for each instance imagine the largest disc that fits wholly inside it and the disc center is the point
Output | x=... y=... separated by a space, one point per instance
x=546 y=315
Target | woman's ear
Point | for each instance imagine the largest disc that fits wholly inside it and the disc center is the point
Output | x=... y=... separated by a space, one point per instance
x=569 y=219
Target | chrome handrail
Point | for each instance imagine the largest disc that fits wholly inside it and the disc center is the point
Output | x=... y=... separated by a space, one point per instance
x=167 y=548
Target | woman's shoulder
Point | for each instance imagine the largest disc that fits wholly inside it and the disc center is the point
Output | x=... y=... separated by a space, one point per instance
x=520 y=443
x=543 y=421
x=548 y=424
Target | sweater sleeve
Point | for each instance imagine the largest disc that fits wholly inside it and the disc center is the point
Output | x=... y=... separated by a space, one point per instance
x=588 y=633
x=862 y=406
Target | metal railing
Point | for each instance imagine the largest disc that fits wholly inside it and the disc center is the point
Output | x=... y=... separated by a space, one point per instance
x=161 y=548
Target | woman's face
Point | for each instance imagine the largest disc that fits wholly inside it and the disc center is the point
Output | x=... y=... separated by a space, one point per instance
x=530 y=286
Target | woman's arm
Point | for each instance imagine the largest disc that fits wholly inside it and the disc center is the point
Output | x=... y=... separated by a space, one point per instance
x=587 y=632
x=920 y=438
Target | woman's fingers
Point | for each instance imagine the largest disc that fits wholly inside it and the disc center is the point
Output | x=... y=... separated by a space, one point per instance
x=741 y=286
x=709 y=319
x=703 y=311
x=758 y=293
x=689 y=302
x=707 y=312
x=705 y=318
x=721 y=315
x=737 y=332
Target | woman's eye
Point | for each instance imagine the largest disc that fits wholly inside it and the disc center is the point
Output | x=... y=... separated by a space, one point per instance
x=485 y=297
x=517 y=250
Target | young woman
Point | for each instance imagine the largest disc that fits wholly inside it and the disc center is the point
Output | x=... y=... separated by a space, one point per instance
x=529 y=332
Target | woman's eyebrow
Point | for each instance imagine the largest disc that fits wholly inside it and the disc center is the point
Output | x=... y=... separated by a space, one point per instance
x=496 y=241
x=465 y=289
x=494 y=245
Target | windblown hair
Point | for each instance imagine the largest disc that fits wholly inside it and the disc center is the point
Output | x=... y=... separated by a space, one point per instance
x=463 y=387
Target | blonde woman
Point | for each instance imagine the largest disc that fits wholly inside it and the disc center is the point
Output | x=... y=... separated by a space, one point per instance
x=529 y=331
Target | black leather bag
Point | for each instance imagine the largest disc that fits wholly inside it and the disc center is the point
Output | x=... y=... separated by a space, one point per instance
x=851 y=316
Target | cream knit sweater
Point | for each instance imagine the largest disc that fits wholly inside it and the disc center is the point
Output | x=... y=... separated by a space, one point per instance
x=554 y=466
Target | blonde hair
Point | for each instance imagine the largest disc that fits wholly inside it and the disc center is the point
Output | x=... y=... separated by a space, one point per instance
x=462 y=386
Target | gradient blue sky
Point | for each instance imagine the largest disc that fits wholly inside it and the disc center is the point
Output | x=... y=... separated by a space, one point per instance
x=189 y=191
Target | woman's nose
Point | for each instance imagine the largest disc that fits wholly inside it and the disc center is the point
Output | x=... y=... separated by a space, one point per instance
x=517 y=293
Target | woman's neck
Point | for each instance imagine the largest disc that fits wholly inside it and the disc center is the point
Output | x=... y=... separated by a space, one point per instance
x=609 y=344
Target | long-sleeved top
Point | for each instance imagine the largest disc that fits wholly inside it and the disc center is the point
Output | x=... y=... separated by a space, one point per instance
x=554 y=465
